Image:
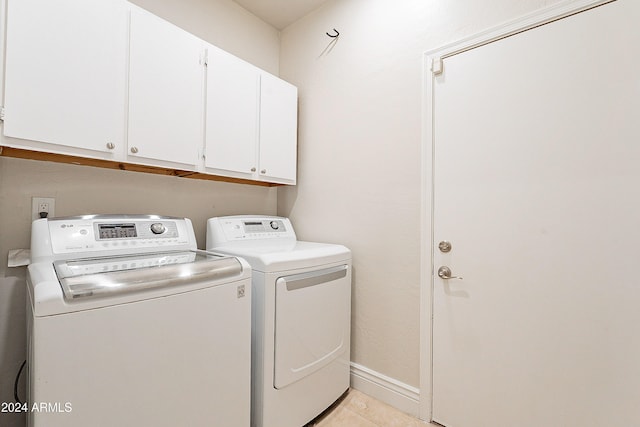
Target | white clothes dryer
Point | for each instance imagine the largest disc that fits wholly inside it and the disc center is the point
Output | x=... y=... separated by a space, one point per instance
x=301 y=317
x=130 y=325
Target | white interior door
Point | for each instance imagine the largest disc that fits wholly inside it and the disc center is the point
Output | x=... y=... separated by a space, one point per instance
x=537 y=187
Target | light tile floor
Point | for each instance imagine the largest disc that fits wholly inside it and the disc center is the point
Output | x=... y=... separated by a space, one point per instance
x=356 y=409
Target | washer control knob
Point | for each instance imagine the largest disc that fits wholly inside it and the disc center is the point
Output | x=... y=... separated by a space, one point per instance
x=158 y=228
x=274 y=225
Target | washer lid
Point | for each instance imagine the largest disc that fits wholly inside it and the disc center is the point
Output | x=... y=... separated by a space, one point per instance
x=93 y=277
x=284 y=256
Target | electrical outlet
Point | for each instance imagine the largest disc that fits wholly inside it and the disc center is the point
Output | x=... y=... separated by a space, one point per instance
x=41 y=206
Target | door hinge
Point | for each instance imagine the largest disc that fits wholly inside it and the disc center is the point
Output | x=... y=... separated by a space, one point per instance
x=436 y=66
x=2 y=114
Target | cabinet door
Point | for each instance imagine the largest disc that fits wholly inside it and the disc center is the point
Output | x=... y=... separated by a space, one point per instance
x=278 y=130
x=232 y=114
x=66 y=73
x=166 y=99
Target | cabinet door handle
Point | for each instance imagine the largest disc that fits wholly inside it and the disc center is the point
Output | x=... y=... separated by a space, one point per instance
x=253 y=169
x=111 y=145
x=134 y=150
x=263 y=171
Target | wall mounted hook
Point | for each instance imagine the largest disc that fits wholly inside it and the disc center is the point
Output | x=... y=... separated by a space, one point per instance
x=334 y=36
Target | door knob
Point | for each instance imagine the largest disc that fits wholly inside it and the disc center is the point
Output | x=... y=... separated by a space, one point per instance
x=444 y=272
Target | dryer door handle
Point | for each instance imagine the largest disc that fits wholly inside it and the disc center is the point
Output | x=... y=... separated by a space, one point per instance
x=312 y=278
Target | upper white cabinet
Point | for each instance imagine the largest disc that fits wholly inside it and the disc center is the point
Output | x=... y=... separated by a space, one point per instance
x=278 y=130
x=166 y=83
x=232 y=115
x=105 y=79
x=65 y=75
x=251 y=121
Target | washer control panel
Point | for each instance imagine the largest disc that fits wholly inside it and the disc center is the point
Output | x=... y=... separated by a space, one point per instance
x=126 y=234
x=134 y=230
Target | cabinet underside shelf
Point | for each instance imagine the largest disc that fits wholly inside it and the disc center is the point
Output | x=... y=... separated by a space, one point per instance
x=20 y=153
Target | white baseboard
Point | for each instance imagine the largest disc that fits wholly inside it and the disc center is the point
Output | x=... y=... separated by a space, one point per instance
x=402 y=396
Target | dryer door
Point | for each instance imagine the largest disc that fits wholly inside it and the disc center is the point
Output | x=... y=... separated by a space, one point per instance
x=312 y=322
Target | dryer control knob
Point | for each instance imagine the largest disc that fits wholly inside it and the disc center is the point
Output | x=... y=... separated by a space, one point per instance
x=274 y=225
x=158 y=228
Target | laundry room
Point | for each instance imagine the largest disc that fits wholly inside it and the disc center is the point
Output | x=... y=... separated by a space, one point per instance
x=363 y=178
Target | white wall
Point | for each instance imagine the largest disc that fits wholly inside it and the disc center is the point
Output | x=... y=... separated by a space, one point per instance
x=81 y=189
x=225 y=24
x=359 y=152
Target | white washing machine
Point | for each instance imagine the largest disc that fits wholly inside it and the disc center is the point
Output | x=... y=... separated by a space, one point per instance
x=301 y=317
x=130 y=325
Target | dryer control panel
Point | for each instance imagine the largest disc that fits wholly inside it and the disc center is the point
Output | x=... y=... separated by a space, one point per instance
x=238 y=228
x=264 y=226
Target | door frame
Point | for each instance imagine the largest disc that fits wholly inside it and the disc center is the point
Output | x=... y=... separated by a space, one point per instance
x=432 y=66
